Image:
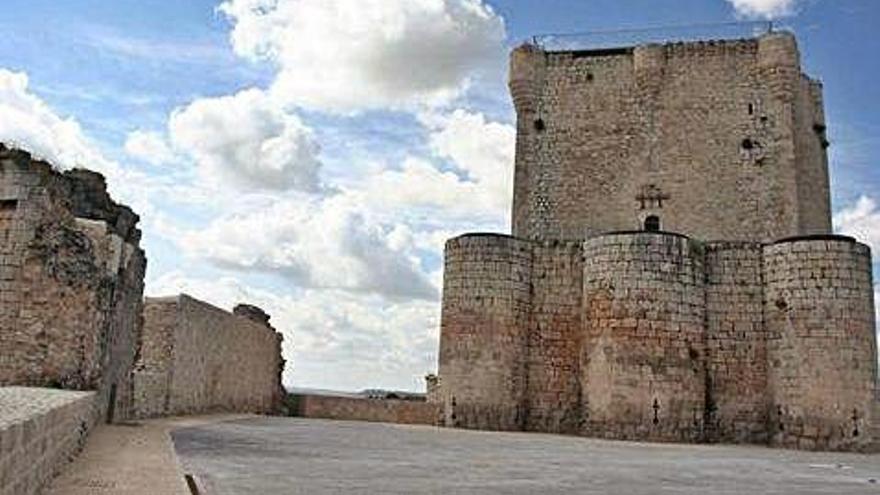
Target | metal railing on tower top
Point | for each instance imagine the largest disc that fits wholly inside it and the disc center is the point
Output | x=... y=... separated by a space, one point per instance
x=614 y=38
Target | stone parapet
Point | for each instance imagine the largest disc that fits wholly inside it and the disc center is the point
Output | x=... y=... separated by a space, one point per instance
x=375 y=410
x=40 y=431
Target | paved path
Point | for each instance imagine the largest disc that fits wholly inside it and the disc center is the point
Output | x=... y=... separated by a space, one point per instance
x=133 y=459
x=268 y=456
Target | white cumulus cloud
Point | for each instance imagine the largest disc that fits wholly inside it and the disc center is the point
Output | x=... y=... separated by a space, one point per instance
x=862 y=221
x=475 y=186
x=314 y=242
x=30 y=124
x=149 y=147
x=763 y=9
x=351 y=55
x=247 y=140
x=482 y=149
x=418 y=183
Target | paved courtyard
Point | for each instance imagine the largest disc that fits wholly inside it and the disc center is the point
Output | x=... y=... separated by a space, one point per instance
x=306 y=456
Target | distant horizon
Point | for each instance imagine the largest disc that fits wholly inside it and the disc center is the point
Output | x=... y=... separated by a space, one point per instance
x=324 y=391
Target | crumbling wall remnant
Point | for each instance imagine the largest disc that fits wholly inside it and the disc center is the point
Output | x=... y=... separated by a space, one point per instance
x=198 y=358
x=71 y=282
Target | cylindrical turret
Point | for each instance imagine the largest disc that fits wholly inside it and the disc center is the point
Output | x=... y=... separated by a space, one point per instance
x=778 y=49
x=525 y=78
x=527 y=67
x=643 y=357
x=779 y=59
x=822 y=349
x=650 y=58
x=483 y=331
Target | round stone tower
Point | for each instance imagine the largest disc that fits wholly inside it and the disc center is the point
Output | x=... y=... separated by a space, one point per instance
x=484 y=323
x=642 y=361
x=819 y=313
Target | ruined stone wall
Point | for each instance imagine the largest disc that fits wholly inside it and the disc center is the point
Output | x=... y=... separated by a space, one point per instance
x=643 y=357
x=376 y=410
x=40 y=431
x=737 y=400
x=608 y=137
x=822 y=347
x=199 y=358
x=554 y=336
x=484 y=323
x=71 y=282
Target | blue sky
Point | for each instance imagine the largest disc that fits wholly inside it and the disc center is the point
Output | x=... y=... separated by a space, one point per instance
x=311 y=156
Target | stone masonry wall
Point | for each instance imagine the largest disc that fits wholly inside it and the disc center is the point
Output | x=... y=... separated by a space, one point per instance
x=606 y=138
x=71 y=282
x=483 y=342
x=654 y=336
x=554 y=336
x=737 y=400
x=643 y=357
x=153 y=370
x=377 y=410
x=198 y=358
x=40 y=430
x=822 y=347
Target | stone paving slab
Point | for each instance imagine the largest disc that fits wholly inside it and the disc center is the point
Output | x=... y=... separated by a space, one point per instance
x=130 y=459
x=269 y=456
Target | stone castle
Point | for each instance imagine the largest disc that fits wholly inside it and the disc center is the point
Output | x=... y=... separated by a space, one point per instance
x=672 y=273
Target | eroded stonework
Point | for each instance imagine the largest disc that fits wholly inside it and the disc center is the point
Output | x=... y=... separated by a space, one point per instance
x=71 y=282
x=591 y=320
x=72 y=309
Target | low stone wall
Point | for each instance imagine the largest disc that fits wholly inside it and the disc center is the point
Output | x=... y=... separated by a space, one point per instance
x=376 y=410
x=40 y=431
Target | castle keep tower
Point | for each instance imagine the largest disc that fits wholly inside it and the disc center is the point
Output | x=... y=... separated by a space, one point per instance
x=672 y=274
x=716 y=140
